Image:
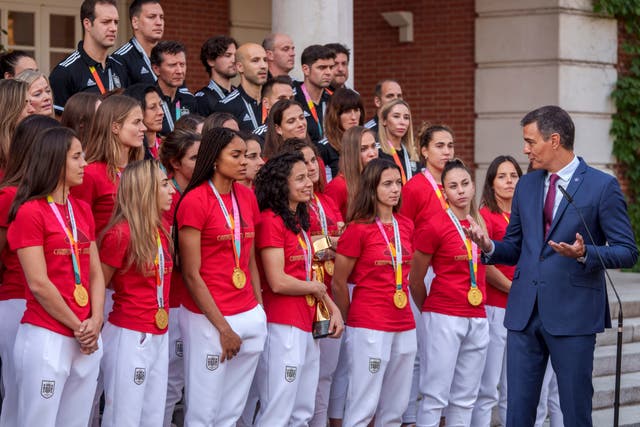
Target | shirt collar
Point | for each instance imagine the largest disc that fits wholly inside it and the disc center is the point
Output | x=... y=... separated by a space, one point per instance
x=566 y=172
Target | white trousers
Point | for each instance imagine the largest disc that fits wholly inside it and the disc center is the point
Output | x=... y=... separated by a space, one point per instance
x=329 y=355
x=56 y=381
x=175 y=377
x=11 y=312
x=287 y=377
x=134 y=368
x=493 y=382
x=338 y=392
x=453 y=351
x=380 y=372
x=216 y=392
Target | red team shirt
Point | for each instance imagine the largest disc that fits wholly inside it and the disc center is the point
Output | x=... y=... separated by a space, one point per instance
x=337 y=191
x=99 y=192
x=497 y=227
x=135 y=300
x=419 y=202
x=315 y=229
x=200 y=209
x=372 y=304
x=448 y=294
x=13 y=280
x=36 y=225
x=284 y=309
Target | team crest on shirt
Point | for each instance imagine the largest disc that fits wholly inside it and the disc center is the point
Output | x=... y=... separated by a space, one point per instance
x=374 y=365
x=179 y=348
x=213 y=361
x=47 y=388
x=290 y=373
x=138 y=375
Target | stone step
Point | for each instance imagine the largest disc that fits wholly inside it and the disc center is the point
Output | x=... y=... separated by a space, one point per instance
x=628 y=286
x=603 y=390
x=605 y=359
x=629 y=417
x=630 y=332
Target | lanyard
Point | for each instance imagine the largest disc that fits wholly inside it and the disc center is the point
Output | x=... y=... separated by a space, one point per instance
x=395 y=249
x=435 y=187
x=307 y=251
x=472 y=249
x=233 y=223
x=312 y=107
x=176 y=185
x=159 y=264
x=407 y=162
x=145 y=58
x=98 y=80
x=320 y=213
x=265 y=113
x=72 y=235
x=252 y=115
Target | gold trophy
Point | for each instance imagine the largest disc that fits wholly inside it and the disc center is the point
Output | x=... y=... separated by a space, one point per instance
x=322 y=318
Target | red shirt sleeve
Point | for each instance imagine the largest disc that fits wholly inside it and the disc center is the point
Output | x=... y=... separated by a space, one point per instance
x=192 y=212
x=27 y=229
x=427 y=239
x=350 y=244
x=7 y=195
x=113 y=248
x=270 y=231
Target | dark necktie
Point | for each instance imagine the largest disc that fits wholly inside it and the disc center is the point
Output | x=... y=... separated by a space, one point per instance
x=550 y=202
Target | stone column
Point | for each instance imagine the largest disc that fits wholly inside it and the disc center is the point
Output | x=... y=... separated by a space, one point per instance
x=314 y=22
x=540 y=52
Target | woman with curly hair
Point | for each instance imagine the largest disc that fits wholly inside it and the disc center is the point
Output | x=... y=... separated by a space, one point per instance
x=344 y=111
x=291 y=291
x=222 y=321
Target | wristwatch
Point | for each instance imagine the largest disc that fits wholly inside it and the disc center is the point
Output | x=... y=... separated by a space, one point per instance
x=583 y=259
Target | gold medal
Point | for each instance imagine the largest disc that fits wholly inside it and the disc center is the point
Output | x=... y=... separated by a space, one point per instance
x=162 y=318
x=329 y=267
x=80 y=295
x=474 y=296
x=311 y=300
x=238 y=278
x=400 y=299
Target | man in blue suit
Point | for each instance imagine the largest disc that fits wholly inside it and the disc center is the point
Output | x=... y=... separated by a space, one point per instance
x=558 y=299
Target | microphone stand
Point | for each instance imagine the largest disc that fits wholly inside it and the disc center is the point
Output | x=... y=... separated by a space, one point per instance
x=616 y=400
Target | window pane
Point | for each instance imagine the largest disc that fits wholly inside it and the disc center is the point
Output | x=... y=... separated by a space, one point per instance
x=62 y=31
x=21 y=28
x=56 y=57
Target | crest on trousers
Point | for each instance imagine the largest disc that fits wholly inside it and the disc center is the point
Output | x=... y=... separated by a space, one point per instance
x=179 y=348
x=374 y=365
x=213 y=361
x=47 y=388
x=290 y=373
x=138 y=375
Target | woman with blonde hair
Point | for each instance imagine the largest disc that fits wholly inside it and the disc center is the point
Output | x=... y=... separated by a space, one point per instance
x=39 y=92
x=359 y=147
x=115 y=139
x=16 y=106
x=136 y=258
x=395 y=135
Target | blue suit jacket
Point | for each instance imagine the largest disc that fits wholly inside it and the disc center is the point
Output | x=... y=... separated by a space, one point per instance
x=572 y=297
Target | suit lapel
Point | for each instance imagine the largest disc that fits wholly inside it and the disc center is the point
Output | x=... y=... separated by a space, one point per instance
x=538 y=193
x=572 y=188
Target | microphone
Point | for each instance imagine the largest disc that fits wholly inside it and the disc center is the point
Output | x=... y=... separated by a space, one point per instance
x=616 y=401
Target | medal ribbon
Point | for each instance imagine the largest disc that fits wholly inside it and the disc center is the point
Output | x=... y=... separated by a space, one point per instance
x=96 y=77
x=312 y=107
x=506 y=217
x=472 y=249
x=322 y=216
x=176 y=185
x=395 y=249
x=72 y=235
x=147 y=62
x=397 y=161
x=307 y=251
x=159 y=264
x=233 y=223
x=435 y=187
x=178 y=111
